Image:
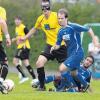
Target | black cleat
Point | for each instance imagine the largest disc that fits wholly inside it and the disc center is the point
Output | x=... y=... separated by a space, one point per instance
x=34 y=86
x=41 y=89
x=3 y=89
x=85 y=88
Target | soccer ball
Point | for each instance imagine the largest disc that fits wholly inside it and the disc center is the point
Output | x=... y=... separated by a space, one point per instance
x=8 y=84
x=35 y=83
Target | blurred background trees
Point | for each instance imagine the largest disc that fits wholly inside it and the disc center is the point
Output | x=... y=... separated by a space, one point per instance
x=80 y=11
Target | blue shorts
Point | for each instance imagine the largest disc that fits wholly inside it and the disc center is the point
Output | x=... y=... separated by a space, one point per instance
x=73 y=62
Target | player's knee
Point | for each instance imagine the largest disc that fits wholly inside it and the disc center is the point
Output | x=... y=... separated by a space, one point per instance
x=39 y=64
x=26 y=62
x=62 y=68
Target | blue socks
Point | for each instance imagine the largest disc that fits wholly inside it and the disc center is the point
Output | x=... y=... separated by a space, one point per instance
x=49 y=79
x=69 y=79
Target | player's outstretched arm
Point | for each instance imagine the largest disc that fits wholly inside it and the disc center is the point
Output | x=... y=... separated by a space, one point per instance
x=5 y=31
x=91 y=33
x=29 y=34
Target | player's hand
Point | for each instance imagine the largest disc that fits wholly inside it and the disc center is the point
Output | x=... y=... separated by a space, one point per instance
x=20 y=40
x=52 y=49
x=13 y=40
x=55 y=47
x=97 y=45
x=8 y=42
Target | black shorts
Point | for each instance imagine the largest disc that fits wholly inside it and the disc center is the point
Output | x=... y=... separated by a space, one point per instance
x=3 y=56
x=22 y=53
x=60 y=55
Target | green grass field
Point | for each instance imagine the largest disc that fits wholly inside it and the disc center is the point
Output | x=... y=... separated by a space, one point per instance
x=25 y=92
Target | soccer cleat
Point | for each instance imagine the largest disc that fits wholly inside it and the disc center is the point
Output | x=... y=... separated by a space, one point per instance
x=85 y=88
x=41 y=89
x=3 y=89
x=24 y=79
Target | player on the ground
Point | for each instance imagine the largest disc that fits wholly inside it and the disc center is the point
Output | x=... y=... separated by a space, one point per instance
x=61 y=83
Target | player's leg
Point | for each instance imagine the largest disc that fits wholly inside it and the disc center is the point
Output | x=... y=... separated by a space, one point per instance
x=29 y=68
x=25 y=57
x=40 y=70
x=74 y=65
x=3 y=69
x=78 y=77
x=3 y=62
x=42 y=59
x=16 y=62
x=65 y=73
x=18 y=66
x=48 y=79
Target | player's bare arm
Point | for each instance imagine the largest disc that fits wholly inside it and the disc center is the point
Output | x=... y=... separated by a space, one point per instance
x=5 y=31
x=91 y=33
x=30 y=33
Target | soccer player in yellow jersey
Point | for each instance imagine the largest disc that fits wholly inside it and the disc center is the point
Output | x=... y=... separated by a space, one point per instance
x=49 y=24
x=23 y=50
x=3 y=57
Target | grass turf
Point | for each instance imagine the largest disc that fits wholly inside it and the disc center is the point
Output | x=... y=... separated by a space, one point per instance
x=26 y=92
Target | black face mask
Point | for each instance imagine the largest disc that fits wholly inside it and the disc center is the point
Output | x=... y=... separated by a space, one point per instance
x=45 y=7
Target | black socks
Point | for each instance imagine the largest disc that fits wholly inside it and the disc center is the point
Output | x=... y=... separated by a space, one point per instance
x=4 y=71
x=30 y=70
x=41 y=76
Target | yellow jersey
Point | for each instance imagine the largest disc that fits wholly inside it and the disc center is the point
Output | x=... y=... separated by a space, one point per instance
x=2 y=16
x=20 y=33
x=50 y=26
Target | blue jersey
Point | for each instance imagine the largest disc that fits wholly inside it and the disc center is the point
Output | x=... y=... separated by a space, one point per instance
x=86 y=73
x=71 y=35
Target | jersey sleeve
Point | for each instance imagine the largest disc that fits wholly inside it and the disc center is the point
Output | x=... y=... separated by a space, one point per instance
x=59 y=37
x=80 y=28
x=89 y=77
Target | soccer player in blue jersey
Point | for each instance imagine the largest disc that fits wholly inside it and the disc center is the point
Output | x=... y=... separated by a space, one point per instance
x=70 y=33
x=61 y=84
x=84 y=71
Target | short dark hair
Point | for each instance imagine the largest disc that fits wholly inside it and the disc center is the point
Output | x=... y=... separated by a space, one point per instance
x=45 y=0
x=63 y=11
x=18 y=17
x=90 y=56
x=48 y=7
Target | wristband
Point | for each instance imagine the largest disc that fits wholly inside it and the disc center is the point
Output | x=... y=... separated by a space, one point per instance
x=7 y=36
